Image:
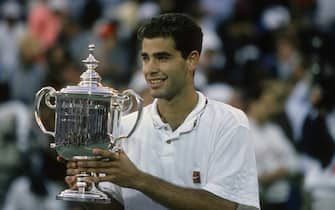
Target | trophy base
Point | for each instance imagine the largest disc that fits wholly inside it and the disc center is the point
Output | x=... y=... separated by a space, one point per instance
x=84 y=193
x=94 y=196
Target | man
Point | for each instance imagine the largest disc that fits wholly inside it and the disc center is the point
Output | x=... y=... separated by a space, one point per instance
x=188 y=152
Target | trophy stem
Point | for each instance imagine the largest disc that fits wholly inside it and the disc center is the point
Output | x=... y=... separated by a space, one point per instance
x=81 y=184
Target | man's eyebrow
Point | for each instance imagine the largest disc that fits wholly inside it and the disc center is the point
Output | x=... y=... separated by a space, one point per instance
x=157 y=54
x=144 y=54
x=166 y=54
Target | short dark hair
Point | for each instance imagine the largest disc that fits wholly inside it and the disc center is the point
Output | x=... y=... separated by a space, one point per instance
x=186 y=34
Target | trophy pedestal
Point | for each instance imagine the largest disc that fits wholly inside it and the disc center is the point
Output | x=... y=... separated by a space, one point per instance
x=94 y=195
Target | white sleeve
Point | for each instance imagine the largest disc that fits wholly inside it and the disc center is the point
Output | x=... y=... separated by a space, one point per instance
x=232 y=173
x=112 y=190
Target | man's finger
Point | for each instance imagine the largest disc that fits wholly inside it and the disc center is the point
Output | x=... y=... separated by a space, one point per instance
x=93 y=164
x=71 y=164
x=106 y=154
x=71 y=181
x=109 y=178
x=91 y=179
x=71 y=172
x=61 y=159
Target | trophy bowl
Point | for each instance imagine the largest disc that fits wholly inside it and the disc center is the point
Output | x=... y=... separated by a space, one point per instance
x=87 y=116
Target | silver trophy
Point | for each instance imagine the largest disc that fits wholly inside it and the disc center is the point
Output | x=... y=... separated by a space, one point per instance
x=87 y=116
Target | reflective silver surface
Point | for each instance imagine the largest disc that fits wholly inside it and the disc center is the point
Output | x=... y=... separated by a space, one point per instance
x=87 y=116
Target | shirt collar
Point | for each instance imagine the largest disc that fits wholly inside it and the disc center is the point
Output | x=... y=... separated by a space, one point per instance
x=189 y=123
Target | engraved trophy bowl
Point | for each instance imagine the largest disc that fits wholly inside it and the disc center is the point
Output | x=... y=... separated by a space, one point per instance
x=87 y=116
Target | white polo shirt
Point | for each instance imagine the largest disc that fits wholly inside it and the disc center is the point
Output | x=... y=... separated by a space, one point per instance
x=210 y=150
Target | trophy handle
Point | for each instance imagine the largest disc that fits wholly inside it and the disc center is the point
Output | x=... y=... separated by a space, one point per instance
x=47 y=92
x=114 y=145
x=139 y=102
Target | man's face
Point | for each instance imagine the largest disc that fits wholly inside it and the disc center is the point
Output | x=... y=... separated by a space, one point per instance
x=165 y=70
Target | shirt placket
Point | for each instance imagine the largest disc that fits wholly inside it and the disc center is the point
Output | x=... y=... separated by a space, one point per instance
x=167 y=154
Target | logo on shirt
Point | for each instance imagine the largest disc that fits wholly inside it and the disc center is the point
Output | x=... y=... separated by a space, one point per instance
x=196 y=177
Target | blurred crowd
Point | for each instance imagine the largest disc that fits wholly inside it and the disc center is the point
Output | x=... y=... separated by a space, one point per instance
x=272 y=59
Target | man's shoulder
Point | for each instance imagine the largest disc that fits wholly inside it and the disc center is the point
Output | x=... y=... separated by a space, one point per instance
x=224 y=112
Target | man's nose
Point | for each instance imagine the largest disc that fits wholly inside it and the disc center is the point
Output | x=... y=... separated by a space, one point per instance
x=151 y=66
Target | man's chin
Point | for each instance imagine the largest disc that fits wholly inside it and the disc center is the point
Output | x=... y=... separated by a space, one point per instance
x=157 y=94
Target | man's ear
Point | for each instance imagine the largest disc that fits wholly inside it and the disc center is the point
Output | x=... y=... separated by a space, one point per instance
x=193 y=59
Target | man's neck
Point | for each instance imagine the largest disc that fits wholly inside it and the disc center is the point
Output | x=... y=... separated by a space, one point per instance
x=175 y=111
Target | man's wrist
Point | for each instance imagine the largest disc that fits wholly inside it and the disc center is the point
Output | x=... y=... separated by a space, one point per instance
x=141 y=181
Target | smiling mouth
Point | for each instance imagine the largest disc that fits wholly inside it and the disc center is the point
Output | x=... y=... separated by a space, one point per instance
x=155 y=83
